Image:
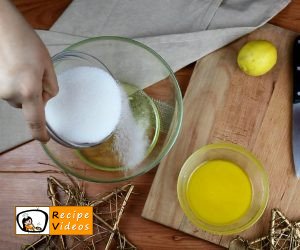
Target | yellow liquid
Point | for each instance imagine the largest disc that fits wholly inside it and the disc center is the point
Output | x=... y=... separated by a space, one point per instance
x=219 y=192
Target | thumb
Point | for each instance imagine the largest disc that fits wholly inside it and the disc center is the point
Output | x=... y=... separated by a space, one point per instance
x=50 y=85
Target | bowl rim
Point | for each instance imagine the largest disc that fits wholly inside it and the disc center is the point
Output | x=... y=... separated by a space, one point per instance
x=202 y=225
x=179 y=105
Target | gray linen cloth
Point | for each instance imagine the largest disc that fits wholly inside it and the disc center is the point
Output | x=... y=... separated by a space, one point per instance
x=180 y=31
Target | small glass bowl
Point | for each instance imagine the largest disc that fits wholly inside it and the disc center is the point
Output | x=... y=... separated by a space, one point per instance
x=64 y=61
x=249 y=164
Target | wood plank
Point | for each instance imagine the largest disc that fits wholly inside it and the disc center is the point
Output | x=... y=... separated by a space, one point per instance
x=224 y=104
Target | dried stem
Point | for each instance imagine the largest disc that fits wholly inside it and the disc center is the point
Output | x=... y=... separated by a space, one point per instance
x=116 y=224
x=52 y=197
x=109 y=196
x=272 y=229
x=36 y=243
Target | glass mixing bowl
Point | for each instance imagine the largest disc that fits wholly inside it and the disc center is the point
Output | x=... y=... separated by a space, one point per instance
x=248 y=163
x=155 y=102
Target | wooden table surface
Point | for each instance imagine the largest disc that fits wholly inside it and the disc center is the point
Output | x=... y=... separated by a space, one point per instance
x=17 y=165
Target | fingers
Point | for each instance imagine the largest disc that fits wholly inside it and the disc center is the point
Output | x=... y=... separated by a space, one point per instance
x=49 y=81
x=35 y=116
x=33 y=105
x=46 y=97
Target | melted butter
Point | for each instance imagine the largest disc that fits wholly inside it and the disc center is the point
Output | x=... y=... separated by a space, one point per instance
x=219 y=192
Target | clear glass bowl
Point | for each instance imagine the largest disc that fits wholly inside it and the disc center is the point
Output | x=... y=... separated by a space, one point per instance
x=249 y=164
x=155 y=101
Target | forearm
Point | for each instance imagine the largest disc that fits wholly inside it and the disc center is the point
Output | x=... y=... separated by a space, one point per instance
x=14 y=31
x=10 y=17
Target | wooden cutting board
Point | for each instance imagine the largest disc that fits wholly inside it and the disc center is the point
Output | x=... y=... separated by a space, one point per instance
x=224 y=104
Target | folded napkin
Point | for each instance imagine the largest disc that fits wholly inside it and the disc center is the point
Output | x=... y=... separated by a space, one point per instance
x=180 y=31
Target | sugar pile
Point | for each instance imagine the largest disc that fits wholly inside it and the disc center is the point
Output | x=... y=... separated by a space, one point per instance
x=130 y=138
x=87 y=108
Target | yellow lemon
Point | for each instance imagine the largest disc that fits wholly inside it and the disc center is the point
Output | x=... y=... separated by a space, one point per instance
x=257 y=57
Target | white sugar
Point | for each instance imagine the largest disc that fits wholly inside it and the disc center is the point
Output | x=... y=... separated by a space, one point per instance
x=130 y=139
x=87 y=108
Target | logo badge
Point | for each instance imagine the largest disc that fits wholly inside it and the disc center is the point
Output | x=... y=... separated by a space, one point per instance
x=55 y=220
x=32 y=220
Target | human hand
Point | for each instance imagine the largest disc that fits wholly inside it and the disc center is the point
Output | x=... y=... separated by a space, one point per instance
x=27 y=77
